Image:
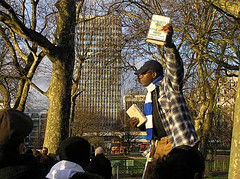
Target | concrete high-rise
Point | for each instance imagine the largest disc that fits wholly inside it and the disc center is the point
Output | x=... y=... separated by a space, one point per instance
x=99 y=43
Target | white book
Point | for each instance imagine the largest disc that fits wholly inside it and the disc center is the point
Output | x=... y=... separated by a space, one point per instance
x=134 y=111
x=155 y=35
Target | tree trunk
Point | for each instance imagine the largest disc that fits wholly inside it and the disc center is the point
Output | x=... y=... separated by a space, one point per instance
x=59 y=92
x=206 y=131
x=59 y=95
x=62 y=55
x=75 y=93
x=234 y=166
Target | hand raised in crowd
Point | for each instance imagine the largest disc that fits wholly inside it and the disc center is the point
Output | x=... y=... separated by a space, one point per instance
x=133 y=121
x=168 y=29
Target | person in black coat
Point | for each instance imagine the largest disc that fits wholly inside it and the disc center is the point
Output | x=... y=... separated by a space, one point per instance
x=100 y=164
x=14 y=127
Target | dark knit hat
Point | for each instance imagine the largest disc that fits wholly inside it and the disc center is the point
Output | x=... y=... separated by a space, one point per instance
x=14 y=126
x=153 y=65
x=75 y=149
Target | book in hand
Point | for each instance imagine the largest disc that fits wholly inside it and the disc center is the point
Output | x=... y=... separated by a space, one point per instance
x=134 y=111
x=155 y=35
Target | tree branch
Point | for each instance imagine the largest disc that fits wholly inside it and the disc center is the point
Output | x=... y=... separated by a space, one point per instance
x=13 y=22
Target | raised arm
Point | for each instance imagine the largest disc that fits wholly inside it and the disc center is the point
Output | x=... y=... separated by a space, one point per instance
x=174 y=71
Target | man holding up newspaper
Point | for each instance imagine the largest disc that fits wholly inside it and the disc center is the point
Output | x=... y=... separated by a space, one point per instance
x=168 y=120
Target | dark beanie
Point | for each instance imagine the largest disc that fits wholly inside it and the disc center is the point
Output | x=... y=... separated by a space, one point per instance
x=14 y=126
x=75 y=149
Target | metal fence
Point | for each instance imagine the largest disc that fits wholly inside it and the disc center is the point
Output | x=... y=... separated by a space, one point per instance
x=127 y=167
x=217 y=165
x=132 y=167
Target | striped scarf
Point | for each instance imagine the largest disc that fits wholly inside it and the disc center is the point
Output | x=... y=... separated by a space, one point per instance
x=148 y=107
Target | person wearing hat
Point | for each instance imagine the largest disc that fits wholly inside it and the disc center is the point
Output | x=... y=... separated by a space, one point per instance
x=168 y=120
x=14 y=127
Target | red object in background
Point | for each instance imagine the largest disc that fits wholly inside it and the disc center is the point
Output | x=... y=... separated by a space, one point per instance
x=144 y=146
x=118 y=146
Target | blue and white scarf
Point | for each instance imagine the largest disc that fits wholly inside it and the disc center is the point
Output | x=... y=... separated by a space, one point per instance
x=148 y=107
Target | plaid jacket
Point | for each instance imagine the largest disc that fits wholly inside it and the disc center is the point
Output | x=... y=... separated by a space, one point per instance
x=173 y=108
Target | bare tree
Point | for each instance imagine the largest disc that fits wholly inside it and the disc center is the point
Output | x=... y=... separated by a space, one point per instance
x=60 y=52
x=231 y=10
x=86 y=121
x=57 y=44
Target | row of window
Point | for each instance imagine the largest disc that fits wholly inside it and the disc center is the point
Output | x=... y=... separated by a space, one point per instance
x=37 y=115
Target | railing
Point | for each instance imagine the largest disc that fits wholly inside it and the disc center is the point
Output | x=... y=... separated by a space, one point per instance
x=217 y=165
x=123 y=167
x=127 y=167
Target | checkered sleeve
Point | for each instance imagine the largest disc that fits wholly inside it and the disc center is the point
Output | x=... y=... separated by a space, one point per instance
x=174 y=69
x=176 y=118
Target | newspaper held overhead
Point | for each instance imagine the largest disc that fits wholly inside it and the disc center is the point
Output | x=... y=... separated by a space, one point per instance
x=155 y=35
x=134 y=111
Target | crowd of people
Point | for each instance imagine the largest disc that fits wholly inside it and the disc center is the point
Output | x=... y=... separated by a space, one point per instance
x=71 y=161
x=73 y=157
x=168 y=126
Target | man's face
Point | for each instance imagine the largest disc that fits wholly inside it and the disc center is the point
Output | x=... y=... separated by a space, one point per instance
x=146 y=78
x=44 y=151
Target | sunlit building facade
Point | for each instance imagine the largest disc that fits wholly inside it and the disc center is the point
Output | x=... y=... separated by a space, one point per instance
x=99 y=43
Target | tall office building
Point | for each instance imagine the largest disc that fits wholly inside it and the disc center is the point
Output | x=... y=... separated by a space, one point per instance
x=99 y=43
